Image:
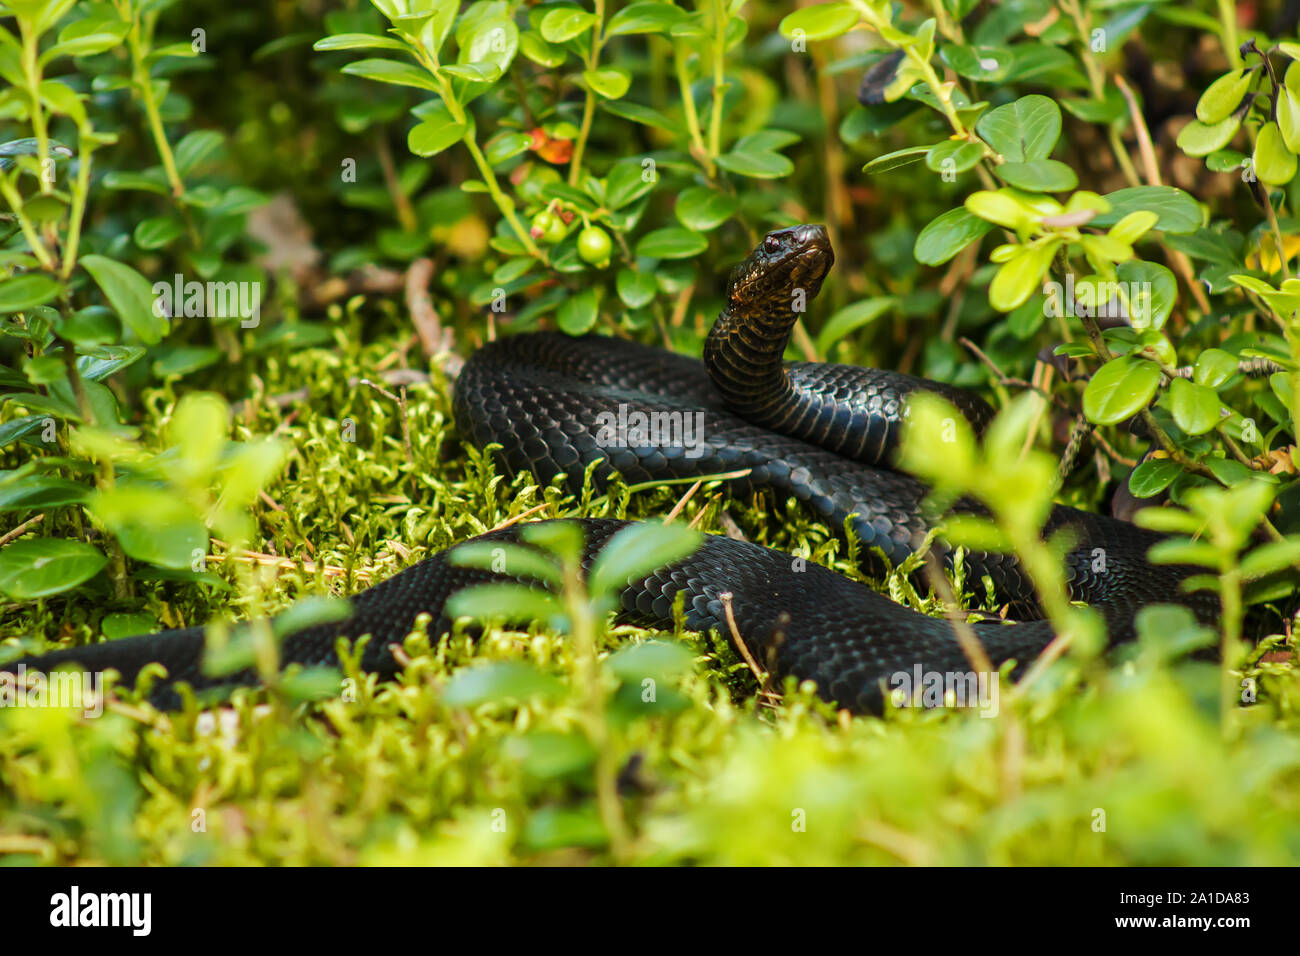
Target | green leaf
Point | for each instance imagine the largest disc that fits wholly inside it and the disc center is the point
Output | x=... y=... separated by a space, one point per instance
x=1198 y=139
x=559 y=26
x=1169 y=631
x=151 y=524
x=1225 y=161
x=358 y=41
x=153 y=182
x=1022 y=131
x=506 y=146
x=157 y=231
x=504 y=557
x=1167 y=520
x=100 y=361
x=1214 y=367
x=948 y=234
x=40 y=491
x=636 y=551
x=1178 y=212
x=648 y=16
x=1270 y=558
x=492 y=42
x=897 y=159
x=114 y=626
x=1133 y=227
x=626 y=183
x=16 y=428
x=1020 y=276
x=1288 y=119
x=39 y=567
x=1120 y=389
x=27 y=291
x=1223 y=96
x=1195 y=407
x=549 y=55
x=1158 y=291
x=556 y=827
x=757 y=164
x=1039 y=176
x=88 y=36
x=819 y=22
x=547 y=755
x=975 y=533
x=1274 y=163
x=1028 y=317
x=578 y=313
x=63 y=99
x=671 y=243
x=1005 y=207
x=310 y=611
x=499 y=681
x=704 y=209
x=852 y=317
x=635 y=288
x=659 y=659
x=437 y=132
x=1230 y=471
x=637 y=113
x=182 y=360
x=953 y=155
x=611 y=82
x=1153 y=476
x=984 y=64
x=198 y=430
x=1183 y=551
x=391 y=71
x=474 y=74
x=196 y=148
x=130 y=295
x=1105 y=111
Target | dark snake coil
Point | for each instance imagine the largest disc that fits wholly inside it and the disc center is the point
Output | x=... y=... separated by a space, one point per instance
x=820 y=433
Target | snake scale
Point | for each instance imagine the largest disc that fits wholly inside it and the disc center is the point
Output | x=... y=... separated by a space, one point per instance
x=819 y=433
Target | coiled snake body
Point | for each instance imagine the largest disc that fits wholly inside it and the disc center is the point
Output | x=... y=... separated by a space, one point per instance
x=820 y=433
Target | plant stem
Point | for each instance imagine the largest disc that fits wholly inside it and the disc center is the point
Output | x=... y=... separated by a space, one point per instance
x=34 y=242
x=698 y=147
x=588 y=661
x=1097 y=82
x=107 y=478
x=405 y=214
x=1228 y=32
x=80 y=192
x=719 y=77
x=1230 y=638
x=1277 y=231
x=589 y=106
x=503 y=202
x=32 y=76
x=138 y=43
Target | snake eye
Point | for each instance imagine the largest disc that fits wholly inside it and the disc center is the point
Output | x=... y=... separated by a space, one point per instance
x=771 y=243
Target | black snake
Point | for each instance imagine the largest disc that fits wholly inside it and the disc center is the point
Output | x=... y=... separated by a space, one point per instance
x=820 y=433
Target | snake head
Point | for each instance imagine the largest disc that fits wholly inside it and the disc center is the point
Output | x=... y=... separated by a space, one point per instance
x=786 y=261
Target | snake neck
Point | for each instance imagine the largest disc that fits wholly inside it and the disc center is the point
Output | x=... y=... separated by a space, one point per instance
x=745 y=350
x=745 y=358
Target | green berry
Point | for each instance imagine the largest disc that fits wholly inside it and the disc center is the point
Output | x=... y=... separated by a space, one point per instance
x=594 y=246
x=549 y=227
